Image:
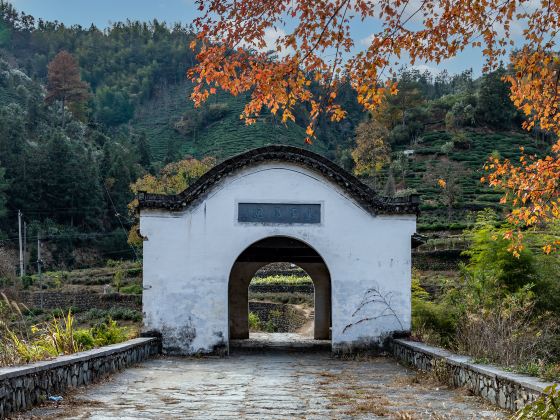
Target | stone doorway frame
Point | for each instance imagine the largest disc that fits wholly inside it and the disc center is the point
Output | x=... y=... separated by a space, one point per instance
x=275 y=249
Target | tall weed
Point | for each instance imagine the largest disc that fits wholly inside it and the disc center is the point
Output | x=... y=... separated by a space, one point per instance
x=54 y=338
x=511 y=333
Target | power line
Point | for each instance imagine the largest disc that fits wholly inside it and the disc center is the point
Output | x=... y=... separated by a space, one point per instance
x=119 y=219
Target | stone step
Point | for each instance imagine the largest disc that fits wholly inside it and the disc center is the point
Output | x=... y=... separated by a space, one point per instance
x=289 y=342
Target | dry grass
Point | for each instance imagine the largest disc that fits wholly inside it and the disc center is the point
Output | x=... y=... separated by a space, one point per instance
x=404 y=415
x=377 y=406
x=408 y=380
x=441 y=372
x=342 y=395
x=510 y=334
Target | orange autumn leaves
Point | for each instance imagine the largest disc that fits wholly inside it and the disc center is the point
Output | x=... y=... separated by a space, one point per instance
x=533 y=188
x=313 y=46
x=320 y=48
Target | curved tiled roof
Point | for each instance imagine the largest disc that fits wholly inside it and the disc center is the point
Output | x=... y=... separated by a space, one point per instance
x=363 y=194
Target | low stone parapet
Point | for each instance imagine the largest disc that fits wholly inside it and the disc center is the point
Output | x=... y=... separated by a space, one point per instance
x=508 y=390
x=22 y=387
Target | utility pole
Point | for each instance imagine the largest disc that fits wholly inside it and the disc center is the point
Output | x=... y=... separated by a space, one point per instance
x=25 y=261
x=39 y=263
x=20 y=245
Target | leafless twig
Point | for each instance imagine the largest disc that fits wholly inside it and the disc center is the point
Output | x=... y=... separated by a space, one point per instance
x=375 y=296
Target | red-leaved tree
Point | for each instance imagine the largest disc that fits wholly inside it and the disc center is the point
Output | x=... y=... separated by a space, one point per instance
x=314 y=44
x=65 y=83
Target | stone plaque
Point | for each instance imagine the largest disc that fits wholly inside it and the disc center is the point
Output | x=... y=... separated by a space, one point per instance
x=279 y=213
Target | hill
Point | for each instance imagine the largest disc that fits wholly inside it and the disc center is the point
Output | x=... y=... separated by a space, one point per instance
x=174 y=128
x=473 y=196
x=71 y=178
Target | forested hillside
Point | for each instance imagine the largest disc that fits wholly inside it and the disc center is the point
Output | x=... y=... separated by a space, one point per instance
x=68 y=165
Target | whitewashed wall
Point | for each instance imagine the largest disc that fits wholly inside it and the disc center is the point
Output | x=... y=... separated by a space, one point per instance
x=188 y=257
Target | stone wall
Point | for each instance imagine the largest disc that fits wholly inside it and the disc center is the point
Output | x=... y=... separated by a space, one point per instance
x=22 y=387
x=505 y=389
x=290 y=318
x=437 y=260
x=281 y=288
x=81 y=301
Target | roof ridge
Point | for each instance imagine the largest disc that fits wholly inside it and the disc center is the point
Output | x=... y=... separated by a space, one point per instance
x=362 y=193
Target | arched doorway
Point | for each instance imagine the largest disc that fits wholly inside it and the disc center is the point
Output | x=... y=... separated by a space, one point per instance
x=270 y=250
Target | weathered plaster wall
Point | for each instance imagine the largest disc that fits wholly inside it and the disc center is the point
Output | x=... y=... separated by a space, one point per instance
x=505 y=389
x=21 y=387
x=188 y=257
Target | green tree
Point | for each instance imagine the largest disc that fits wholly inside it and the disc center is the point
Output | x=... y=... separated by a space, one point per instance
x=3 y=188
x=495 y=108
x=64 y=183
x=409 y=95
x=113 y=107
x=4 y=34
x=490 y=258
x=372 y=151
x=117 y=185
x=390 y=187
x=143 y=148
x=447 y=176
x=172 y=179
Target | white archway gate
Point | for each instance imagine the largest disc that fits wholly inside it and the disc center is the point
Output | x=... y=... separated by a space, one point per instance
x=277 y=203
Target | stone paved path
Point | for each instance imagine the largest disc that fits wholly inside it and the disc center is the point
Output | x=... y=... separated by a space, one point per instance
x=275 y=385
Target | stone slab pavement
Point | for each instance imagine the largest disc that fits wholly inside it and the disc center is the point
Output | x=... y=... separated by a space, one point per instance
x=268 y=385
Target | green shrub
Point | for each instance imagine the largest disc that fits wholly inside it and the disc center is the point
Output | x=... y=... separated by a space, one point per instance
x=269 y=326
x=32 y=311
x=84 y=339
x=282 y=279
x=26 y=352
x=94 y=313
x=254 y=322
x=27 y=282
x=57 y=313
x=53 y=338
x=494 y=271
x=112 y=263
x=546 y=371
x=59 y=333
x=546 y=407
x=132 y=289
x=124 y=314
x=134 y=271
x=107 y=333
x=438 y=319
x=274 y=319
x=119 y=278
